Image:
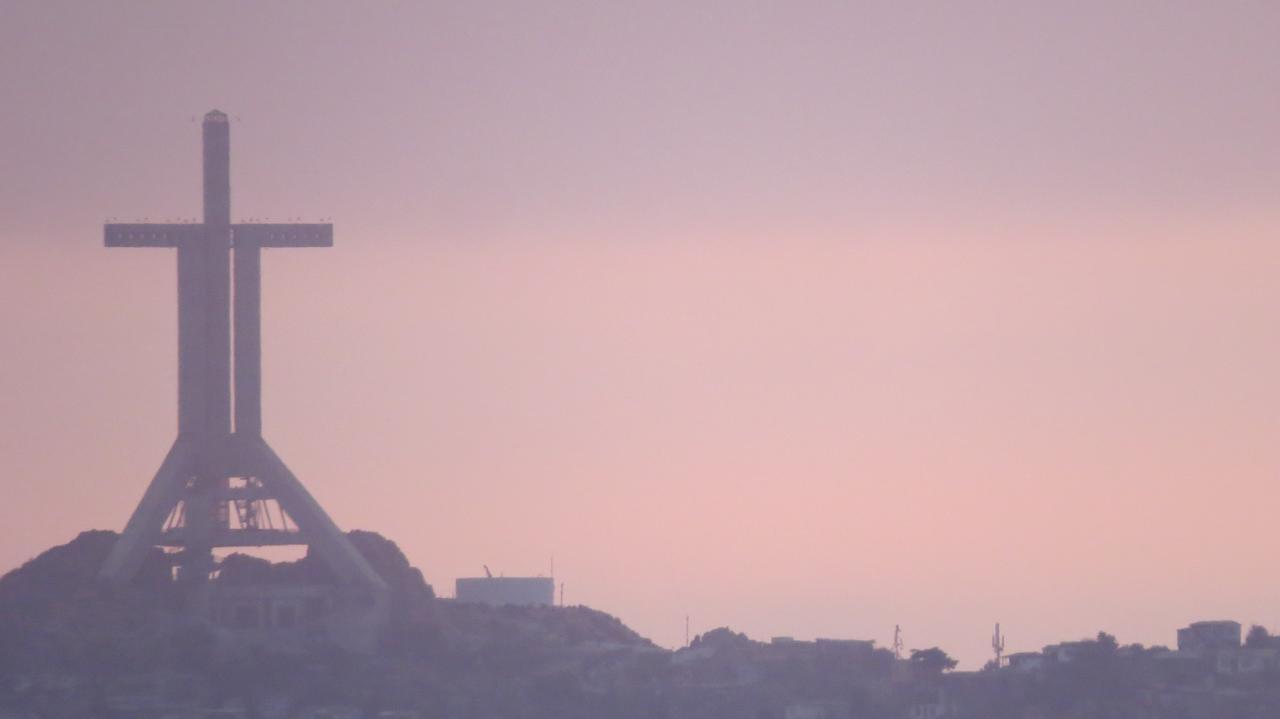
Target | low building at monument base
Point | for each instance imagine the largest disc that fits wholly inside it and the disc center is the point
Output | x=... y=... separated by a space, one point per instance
x=295 y=618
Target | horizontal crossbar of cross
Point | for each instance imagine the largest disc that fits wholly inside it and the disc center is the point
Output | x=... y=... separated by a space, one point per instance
x=242 y=235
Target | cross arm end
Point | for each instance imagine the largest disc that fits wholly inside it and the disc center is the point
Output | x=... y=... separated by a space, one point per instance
x=148 y=235
x=280 y=235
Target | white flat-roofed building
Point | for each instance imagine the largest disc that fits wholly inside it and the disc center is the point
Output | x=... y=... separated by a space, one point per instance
x=497 y=591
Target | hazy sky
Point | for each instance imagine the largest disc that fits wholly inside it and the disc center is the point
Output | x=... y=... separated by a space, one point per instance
x=805 y=318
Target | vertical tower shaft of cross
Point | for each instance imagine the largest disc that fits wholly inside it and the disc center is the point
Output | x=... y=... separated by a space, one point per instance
x=204 y=322
x=217 y=223
x=204 y=354
x=248 y=338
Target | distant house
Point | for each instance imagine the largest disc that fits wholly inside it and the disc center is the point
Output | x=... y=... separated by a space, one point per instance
x=1209 y=637
x=1067 y=652
x=1247 y=661
x=1026 y=662
x=938 y=706
x=785 y=650
x=828 y=651
x=1181 y=667
x=835 y=650
x=1256 y=661
x=853 y=645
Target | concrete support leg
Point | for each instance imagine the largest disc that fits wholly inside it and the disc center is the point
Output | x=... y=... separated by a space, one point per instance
x=322 y=533
x=144 y=527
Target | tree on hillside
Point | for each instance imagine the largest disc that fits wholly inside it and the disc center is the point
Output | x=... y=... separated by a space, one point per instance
x=720 y=637
x=931 y=662
x=1107 y=643
x=1258 y=637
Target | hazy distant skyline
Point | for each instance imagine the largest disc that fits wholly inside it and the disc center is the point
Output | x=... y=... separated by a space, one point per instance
x=803 y=319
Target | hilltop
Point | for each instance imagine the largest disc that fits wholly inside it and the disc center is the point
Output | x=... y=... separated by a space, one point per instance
x=70 y=647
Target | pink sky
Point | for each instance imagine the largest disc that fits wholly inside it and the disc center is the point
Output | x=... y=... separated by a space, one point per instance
x=805 y=319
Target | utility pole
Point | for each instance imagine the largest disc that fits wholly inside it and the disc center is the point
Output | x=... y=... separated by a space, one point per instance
x=897 y=642
x=997 y=644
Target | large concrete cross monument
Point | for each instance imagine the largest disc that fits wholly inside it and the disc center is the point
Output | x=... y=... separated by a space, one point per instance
x=221 y=484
